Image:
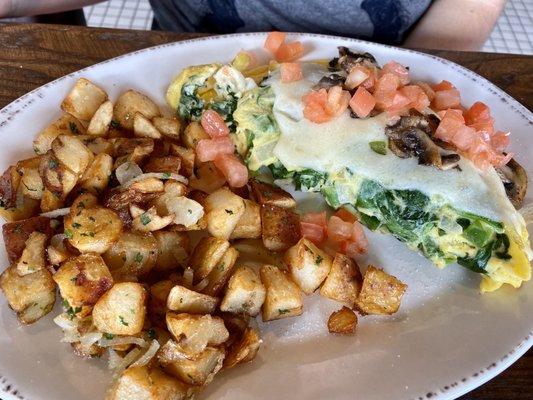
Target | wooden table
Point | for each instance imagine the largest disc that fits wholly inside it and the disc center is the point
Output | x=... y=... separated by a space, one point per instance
x=32 y=55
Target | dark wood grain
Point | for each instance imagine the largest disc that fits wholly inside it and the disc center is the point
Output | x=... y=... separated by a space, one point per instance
x=32 y=55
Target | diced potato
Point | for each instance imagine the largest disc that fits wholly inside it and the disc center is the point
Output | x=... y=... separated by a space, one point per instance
x=187 y=159
x=244 y=350
x=84 y=200
x=97 y=145
x=9 y=183
x=101 y=119
x=31 y=183
x=137 y=148
x=131 y=102
x=249 y=225
x=170 y=127
x=206 y=255
x=199 y=371
x=50 y=201
x=195 y=332
x=165 y=164
x=308 y=265
x=381 y=293
x=31 y=296
x=187 y=213
x=92 y=229
x=121 y=310
x=173 y=250
x=15 y=234
x=343 y=282
x=93 y=351
x=57 y=251
x=220 y=274
x=144 y=383
x=65 y=125
x=265 y=193
x=245 y=293
x=280 y=227
x=57 y=179
x=192 y=134
x=82 y=280
x=149 y=221
x=119 y=200
x=72 y=153
x=83 y=99
x=33 y=257
x=143 y=127
x=96 y=176
x=207 y=178
x=133 y=255
x=343 y=321
x=185 y=300
x=283 y=297
x=158 y=299
x=223 y=209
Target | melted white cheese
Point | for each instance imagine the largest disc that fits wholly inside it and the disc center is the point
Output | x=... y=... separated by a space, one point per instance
x=344 y=142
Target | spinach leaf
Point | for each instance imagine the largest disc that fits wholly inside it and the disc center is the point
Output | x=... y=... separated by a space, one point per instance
x=190 y=106
x=309 y=180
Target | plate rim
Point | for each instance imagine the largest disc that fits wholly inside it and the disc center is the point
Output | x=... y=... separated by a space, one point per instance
x=450 y=391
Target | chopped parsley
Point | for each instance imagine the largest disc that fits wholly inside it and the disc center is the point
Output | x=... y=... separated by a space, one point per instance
x=379 y=146
x=121 y=318
x=108 y=336
x=114 y=124
x=151 y=333
x=166 y=175
x=145 y=219
x=282 y=311
x=73 y=128
x=230 y=212
x=92 y=219
x=75 y=225
x=71 y=311
x=138 y=257
x=68 y=234
x=319 y=260
x=52 y=164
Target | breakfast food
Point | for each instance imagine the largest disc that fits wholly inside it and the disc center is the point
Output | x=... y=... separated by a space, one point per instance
x=166 y=232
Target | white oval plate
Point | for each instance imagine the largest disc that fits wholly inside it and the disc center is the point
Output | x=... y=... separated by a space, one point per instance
x=445 y=340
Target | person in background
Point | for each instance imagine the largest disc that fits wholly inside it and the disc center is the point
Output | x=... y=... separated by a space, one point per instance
x=437 y=24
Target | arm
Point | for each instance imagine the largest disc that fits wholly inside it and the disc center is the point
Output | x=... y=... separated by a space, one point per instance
x=456 y=24
x=22 y=8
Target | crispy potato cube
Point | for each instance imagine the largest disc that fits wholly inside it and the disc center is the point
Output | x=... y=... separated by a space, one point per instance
x=148 y=221
x=187 y=159
x=205 y=256
x=158 y=299
x=57 y=251
x=33 y=257
x=82 y=280
x=265 y=193
x=131 y=102
x=220 y=274
x=31 y=183
x=132 y=256
x=16 y=233
x=343 y=321
x=244 y=350
x=97 y=145
x=31 y=296
x=93 y=351
x=148 y=185
x=72 y=153
x=165 y=164
x=138 y=148
x=57 y=179
x=96 y=176
x=144 y=383
x=101 y=119
x=9 y=183
x=83 y=99
x=245 y=293
x=283 y=297
x=185 y=300
x=249 y=225
x=198 y=371
x=207 y=178
x=50 y=201
x=173 y=250
x=121 y=310
x=194 y=333
x=223 y=209
x=381 y=293
x=65 y=125
x=280 y=227
x=143 y=127
x=192 y=134
x=92 y=229
x=308 y=265
x=170 y=127
x=343 y=282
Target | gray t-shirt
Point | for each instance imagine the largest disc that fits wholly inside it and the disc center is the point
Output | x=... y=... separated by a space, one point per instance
x=377 y=20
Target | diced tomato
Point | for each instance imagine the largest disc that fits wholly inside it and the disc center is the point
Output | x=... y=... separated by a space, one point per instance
x=337 y=101
x=417 y=97
x=443 y=85
x=464 y=138
x=315 y=233
x=430 y=93
x=209 y=149
x=357 y=76
x=499 y=141
x=397 y=69
x=315 y=106
x=274 y=40
x=345 y=215
x=387 y=82
x=233 y=169
x=372 y=79
x=479 y=112
x=288 y=52
x=499 y=160
x=384 y=99
x=451 y=121
x=484 y=126
x=213 y=124
x=399 y=102
x=291 y=72
x=445 y=99
x=339 y=230
x=352 y=249
x=362 y=102
x=317 y=218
